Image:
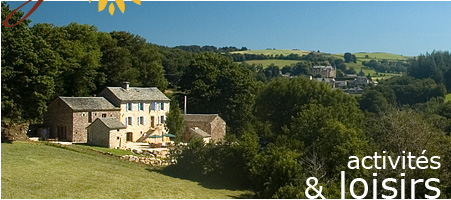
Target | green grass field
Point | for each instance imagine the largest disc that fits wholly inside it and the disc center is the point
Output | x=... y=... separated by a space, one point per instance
x=448 y=98
x=266 y=63
x=284 y=52
x=35 y=170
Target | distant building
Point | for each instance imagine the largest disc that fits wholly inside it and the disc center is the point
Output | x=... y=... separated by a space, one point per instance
x=360 y=81
x=324 y=71
x=107 y=132
x=341 y=84
x=330 y=81
x=211 y=124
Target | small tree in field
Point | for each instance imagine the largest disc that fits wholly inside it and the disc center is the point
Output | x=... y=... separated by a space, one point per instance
x=175 y=121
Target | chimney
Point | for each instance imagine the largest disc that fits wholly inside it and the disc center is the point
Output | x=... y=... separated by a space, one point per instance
x=125 y=85
x=184 y=106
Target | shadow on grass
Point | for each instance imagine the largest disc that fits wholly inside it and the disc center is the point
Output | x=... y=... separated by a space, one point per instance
x=209 y=182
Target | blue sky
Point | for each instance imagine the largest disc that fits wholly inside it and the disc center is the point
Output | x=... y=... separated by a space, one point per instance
x=406 y=28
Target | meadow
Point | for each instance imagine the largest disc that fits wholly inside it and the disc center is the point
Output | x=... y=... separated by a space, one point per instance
x=33 y=170
x=361 y=56
x=448 y=98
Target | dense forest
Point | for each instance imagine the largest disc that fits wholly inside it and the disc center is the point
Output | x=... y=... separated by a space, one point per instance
x=280 y=131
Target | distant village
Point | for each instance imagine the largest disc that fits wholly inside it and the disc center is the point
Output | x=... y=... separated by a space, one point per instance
x=350 y=83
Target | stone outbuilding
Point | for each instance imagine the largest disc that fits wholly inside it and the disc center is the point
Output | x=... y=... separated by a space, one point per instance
x=211 y=124
x=107 y=132
x=68 y=117
x=199 y=133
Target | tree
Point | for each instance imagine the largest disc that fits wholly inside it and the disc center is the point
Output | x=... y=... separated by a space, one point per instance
x=146 y=66
x=214 y=84
x=373 y=101
x=273 y=169
x=282 y=99
x=400 y=131
x=350 y=58
x=410 y=91
x=272 y=71
x=29 y=67
x=434 y=65
x=175 y=121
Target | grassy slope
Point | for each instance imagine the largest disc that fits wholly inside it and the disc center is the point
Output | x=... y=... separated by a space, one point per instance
x=39 y=171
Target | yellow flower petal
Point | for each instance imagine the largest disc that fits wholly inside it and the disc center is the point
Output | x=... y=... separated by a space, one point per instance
x=111 y=9
x=120 y=4
x=137 y=2
x=102 y=4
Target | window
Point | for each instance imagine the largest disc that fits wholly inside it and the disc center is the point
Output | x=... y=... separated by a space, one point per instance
x=161 y=120
x=162 y=106
x=141 y=106
x=153 y=106
x=152 y=121
x=103 y=115
x=129 y=137
x=129 y=121
x=141 y=121
x=89 y=117
x=129 y=106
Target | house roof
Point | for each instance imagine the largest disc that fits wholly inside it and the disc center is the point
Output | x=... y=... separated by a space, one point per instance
x=110 y=122
x=198 y=132
x=138 y=94
x=200 y=117
x=88 y=103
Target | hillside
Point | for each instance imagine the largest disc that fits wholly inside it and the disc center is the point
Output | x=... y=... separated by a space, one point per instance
x=284 y=52
x=361 y=56
x=35 y=170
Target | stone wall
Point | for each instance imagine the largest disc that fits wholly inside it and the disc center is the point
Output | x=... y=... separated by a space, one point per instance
x=98 y=134
x=218 y=131
x=14 y=132
x=59 y=115
x=117 y=139
x=84 y=119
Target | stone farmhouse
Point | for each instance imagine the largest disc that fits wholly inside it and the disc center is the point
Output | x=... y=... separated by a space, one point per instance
x=206 y=126
x=141 y=110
